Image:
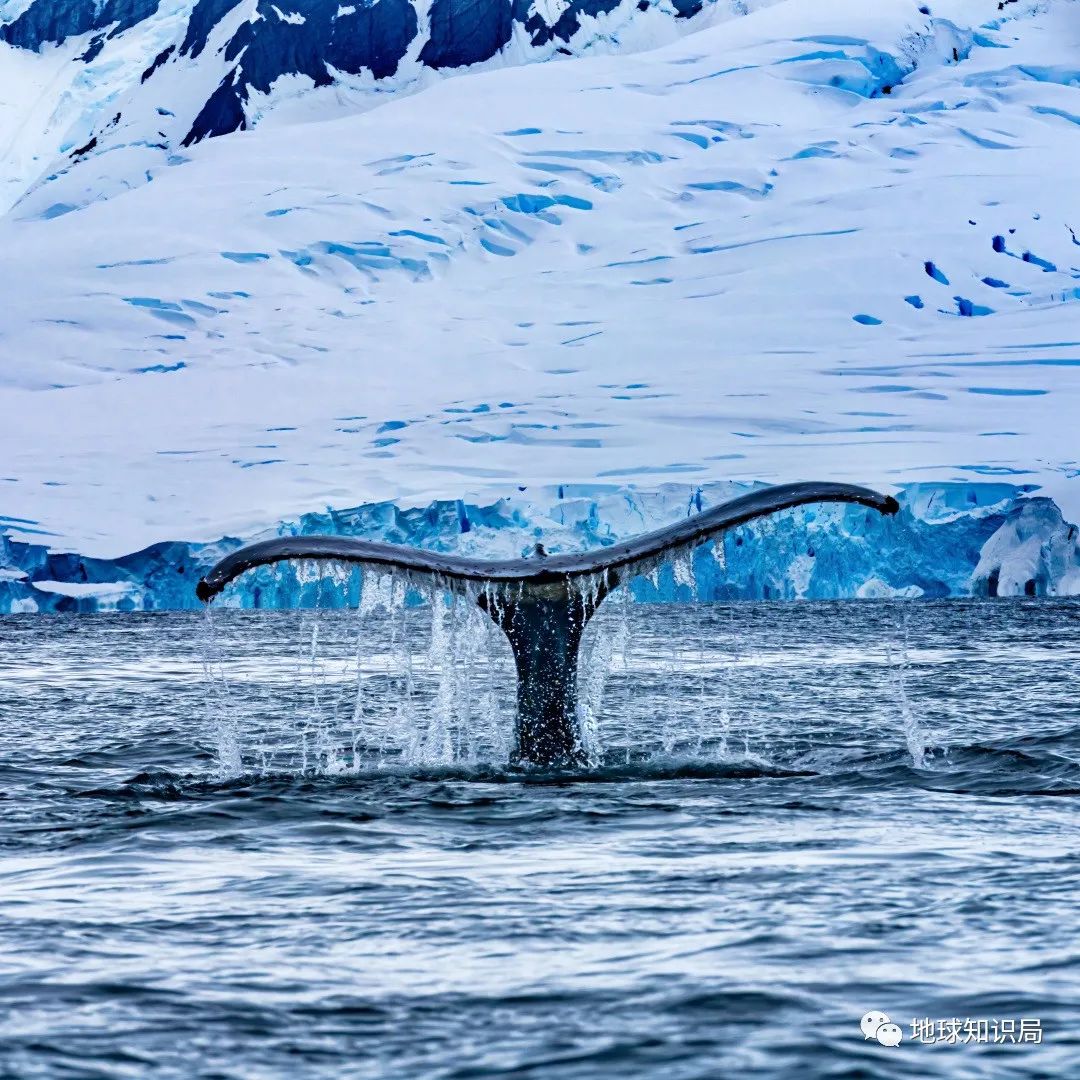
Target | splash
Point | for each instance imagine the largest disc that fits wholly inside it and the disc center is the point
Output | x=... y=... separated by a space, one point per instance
x=419 y=680
x=220 y=712
x=417 y=676
x=436 y=707
x=899 y=662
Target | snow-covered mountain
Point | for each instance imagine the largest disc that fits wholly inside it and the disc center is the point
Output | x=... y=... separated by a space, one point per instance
x=149 y=77
x=732 y=243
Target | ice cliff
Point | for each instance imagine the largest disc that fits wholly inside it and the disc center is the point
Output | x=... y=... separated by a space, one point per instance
x=948 y=540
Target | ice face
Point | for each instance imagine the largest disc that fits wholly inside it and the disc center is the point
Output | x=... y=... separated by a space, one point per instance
x=1033 y=553
x=1012 y=547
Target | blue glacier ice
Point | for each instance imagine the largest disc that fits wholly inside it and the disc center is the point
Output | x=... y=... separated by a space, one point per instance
x=982 y=539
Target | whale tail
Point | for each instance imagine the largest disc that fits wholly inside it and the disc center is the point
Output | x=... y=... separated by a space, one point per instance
x=543 y=603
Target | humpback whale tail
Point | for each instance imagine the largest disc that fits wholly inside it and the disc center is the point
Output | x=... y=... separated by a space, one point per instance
x=543 y=603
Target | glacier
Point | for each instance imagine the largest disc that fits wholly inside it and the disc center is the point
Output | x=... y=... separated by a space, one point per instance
x=948 y=540
x=552 y=269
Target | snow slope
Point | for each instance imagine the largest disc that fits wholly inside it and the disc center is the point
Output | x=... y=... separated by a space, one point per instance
x=821 y=240
x=151 y=76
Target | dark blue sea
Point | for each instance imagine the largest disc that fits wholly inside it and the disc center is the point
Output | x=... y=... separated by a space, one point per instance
x=288 y=845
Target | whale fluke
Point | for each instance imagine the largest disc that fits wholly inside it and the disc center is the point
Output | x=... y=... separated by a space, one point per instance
x=543 y=603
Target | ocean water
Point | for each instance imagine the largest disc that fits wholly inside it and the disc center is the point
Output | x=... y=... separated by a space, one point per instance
x=287 y=844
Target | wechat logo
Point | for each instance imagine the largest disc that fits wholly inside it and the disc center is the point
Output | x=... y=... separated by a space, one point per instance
x=877 y=1025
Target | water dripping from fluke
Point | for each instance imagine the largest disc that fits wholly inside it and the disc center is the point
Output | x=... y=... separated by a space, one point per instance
x=543 y=603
